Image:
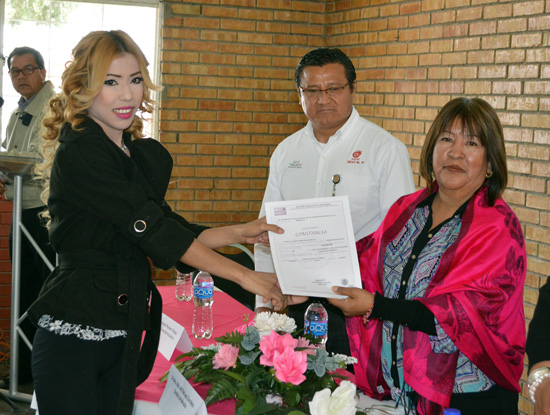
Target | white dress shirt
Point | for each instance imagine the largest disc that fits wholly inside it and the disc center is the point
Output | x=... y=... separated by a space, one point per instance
x=374 y=169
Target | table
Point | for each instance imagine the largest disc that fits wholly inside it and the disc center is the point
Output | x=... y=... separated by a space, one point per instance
x=228 y=315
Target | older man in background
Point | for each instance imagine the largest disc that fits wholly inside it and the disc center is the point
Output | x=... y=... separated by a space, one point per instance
x=28 y=77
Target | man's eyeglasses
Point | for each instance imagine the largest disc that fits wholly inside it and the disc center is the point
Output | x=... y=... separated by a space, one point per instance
x=27 y=70
x=316 y=93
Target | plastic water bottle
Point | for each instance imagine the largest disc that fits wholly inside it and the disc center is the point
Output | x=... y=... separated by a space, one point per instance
x=451 y=411
x=203 y=290
x=184 y=286
x=316 y=322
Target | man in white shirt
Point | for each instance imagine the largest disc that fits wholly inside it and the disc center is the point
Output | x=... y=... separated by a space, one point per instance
x=336 y=153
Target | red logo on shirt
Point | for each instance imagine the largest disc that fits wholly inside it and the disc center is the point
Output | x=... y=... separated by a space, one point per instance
x=356 y=158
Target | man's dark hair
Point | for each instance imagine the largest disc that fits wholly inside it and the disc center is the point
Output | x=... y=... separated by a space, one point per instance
x=322 y=57
x=23 y=50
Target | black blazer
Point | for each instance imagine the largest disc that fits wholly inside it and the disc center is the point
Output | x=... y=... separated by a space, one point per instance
x=109 y=218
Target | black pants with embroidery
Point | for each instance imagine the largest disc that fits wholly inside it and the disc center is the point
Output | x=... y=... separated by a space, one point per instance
x=87 y=374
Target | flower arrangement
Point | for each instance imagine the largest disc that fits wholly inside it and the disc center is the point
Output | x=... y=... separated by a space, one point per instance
x=269 y=368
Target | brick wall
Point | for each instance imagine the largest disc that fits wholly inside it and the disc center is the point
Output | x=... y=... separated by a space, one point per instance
x=229 y=97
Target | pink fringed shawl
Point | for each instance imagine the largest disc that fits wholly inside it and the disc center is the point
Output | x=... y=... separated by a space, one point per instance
x=476 y=295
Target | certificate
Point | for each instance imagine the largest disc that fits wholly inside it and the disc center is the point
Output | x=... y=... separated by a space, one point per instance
x=317 y=250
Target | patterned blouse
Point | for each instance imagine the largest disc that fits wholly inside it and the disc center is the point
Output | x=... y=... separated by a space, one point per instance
x=410 y=262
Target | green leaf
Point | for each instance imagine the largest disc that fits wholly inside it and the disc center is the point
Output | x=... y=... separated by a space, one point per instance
x=317 y=362
x=235 y=338
x=292 y=397
x=248 y=399
x=245 y=393
x=248 y=359
x=263 y=407
x=251 y=338
x=190 y=373
x=327 y=382
x=237 y=376
x=221 y=389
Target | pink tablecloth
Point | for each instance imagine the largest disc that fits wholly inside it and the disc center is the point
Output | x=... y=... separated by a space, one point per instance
x=228 y=315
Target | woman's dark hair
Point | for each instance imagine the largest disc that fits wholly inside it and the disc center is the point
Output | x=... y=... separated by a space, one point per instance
x=322 y=57
x=480 y=119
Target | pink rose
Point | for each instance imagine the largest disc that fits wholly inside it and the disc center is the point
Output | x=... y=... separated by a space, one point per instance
x=226 y=357
x=275 y=343
x=303 y=342
x=290 y=366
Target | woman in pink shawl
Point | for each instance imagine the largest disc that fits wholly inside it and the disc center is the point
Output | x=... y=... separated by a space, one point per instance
x=440 y=320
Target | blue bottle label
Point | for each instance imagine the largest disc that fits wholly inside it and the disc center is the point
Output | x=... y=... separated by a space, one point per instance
x=318 y=329
x=203 y=292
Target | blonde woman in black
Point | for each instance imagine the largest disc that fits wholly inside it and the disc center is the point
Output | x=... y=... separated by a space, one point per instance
x=105 y=189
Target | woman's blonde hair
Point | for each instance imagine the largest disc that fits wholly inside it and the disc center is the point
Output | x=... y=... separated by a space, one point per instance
x=81 y=82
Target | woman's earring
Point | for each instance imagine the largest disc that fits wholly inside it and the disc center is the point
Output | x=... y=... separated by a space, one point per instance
x=489 y=174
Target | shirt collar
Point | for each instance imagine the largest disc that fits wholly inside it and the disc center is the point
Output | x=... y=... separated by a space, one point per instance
x=429 y=200
x=23 y=103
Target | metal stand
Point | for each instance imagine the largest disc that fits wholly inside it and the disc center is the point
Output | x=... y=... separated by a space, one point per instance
x=16 y=319
x=9 y=401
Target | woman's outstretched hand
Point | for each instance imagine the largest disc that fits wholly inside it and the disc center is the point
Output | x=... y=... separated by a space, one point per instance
x=256 y=231
x=357 y=303
x=266 y=285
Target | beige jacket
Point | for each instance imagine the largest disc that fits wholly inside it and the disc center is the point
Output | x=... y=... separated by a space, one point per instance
x=27 y=139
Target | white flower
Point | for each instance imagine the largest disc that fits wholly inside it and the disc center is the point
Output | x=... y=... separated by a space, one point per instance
x=214 y=346
x=265 y=322
x=342 y=401
x=320 y=403
x=284 y=323
x=348 y=360
x=275 y=399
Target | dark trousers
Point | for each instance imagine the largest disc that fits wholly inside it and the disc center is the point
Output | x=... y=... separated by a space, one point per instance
x=495 y=401
x=34 y=272
x=74 y=376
